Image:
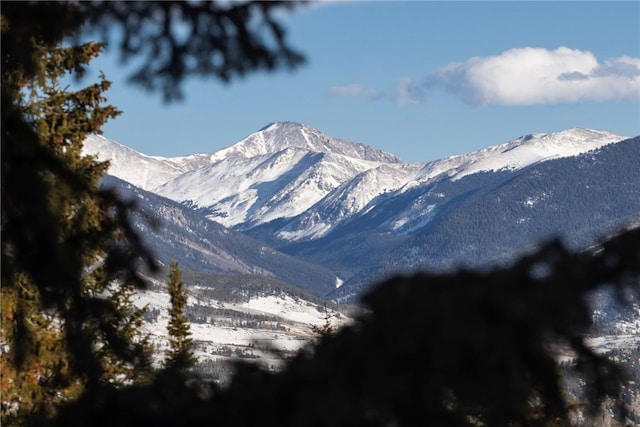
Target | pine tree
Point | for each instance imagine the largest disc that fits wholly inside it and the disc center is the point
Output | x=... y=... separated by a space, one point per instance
x=69 y=322
x=327 y=327
x=70 y=258
x=180 y=353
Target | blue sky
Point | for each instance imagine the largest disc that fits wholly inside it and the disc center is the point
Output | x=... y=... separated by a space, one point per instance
x=423 y=80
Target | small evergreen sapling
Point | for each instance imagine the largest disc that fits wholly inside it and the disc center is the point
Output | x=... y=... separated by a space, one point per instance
x=180 y=353
x=327 y=327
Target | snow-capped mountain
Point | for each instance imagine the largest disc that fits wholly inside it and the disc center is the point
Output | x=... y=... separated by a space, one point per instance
x=359 y=194
x=511 y=156
x=520 y=153
x=277 y=172
x=368 y=188
x=354 y=210
x=309 y=214
x=310 y=182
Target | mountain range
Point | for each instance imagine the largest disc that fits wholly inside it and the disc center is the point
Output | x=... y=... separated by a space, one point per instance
x=332 y=216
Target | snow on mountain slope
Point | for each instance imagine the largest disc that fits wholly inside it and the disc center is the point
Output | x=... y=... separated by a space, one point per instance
x=146 y=172
x=311 y=182
x=278 y=172
x=520 y=152
x=187 y=237
x=346 y=200
x=353 y=197
x=280 y=135
x=489 y=218
x=516 y=154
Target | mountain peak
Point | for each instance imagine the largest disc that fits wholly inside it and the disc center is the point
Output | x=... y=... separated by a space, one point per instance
x=278 y=136
x=284 y=124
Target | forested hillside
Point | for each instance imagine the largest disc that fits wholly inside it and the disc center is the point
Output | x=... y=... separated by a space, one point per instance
x=491 y=218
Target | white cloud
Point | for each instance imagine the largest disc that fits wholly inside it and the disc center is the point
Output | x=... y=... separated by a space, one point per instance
x=408 y=93
x=355 y=90
x=527 y=76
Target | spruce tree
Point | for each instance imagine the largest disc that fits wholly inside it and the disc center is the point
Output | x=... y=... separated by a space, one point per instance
x=180 y=353
x=69 y=322
x=70 y=258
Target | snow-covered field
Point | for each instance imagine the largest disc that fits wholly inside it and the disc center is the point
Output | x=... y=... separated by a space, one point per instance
x=295 y=318
x=290 y=330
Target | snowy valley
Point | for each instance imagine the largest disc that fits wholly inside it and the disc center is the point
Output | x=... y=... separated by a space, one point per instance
x=264 y=325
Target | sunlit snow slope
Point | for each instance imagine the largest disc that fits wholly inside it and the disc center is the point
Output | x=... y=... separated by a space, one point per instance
x=308 y=183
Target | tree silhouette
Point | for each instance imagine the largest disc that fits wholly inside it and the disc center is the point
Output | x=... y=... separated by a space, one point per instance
x=180 y=39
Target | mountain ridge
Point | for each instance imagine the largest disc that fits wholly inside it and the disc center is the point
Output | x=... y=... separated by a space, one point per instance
x=144 y=171
x=347 y=214
x=294 y=172
x=492 y=217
